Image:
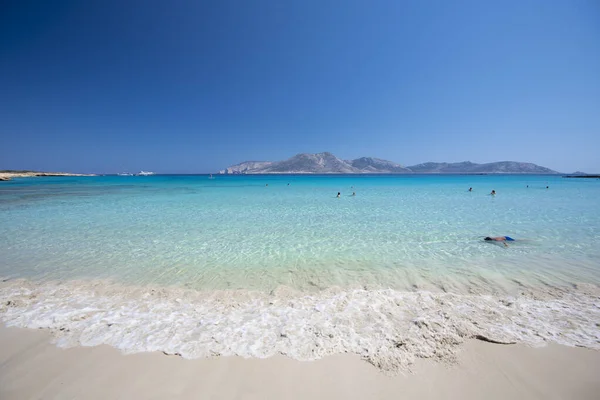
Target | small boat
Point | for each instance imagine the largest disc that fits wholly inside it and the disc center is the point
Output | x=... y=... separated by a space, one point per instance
x=145 y=173
x=125 y=174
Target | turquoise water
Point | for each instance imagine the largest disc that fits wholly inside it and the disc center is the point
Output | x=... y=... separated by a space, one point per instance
x=234 y=232
x=267 y=235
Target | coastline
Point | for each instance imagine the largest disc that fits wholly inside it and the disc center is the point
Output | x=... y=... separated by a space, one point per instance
x=32 y=367
x=392 y=330
x=7 y=176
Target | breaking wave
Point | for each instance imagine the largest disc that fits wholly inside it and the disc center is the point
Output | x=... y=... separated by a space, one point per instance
x=386 y=327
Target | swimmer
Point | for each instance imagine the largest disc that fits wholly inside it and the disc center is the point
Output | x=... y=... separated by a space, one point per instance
x=502 y=239
x=547 y=187
x=353 y=193
x=493 y=192
x=470 y=189
x=338 y=195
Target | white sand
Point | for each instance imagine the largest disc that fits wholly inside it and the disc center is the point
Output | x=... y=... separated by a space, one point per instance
x=389 y=328
x=6 y=176
x=33 y=368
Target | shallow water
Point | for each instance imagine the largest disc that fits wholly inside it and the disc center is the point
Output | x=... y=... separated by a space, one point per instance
x=255 y=237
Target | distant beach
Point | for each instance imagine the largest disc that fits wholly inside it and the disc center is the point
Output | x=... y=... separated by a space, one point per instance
x=7 y=175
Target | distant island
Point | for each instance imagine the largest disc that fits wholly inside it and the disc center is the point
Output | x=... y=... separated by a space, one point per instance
x=579 y=174
x=327 y=163
x=7 y=175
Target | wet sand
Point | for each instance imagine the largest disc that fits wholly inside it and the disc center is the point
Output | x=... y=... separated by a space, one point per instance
x=31 y=367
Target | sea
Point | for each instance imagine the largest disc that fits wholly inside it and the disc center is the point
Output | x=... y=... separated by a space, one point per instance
x=393 y=269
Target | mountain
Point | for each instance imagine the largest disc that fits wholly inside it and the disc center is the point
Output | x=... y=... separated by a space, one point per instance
x=467 y=167
x=433 y=167
x=377 y=165
x=320 y=163
x=247 y=167
x=327 y=163
x=304 y=163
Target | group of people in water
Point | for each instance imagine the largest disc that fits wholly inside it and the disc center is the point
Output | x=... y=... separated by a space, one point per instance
x=340 y=194
x=493 y=192
x=499 y=239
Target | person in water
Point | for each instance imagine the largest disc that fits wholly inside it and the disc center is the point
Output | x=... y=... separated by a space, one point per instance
x=502 y=239
x=493 y=192
x=470 y=189
x=353 y=193
x=338 y=195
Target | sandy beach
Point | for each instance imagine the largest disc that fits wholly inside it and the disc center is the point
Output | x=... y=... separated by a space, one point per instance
x=7 y=176
x=300 y=200
x=31 y=367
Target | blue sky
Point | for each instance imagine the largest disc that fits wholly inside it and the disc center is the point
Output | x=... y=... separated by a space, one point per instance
x=193 y=86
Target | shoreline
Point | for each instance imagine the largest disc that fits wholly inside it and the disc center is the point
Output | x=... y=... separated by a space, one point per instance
x=8 y=175
x=389 y=329
x=32 y=367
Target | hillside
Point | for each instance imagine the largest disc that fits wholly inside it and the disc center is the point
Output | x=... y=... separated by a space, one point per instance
x=327 y=163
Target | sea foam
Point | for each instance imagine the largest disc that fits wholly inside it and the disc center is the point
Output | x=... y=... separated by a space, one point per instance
x=386 y=327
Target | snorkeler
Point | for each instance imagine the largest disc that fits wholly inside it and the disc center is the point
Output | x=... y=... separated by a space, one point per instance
x=502 y=239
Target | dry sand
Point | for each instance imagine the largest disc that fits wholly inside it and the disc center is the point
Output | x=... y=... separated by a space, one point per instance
x=33 y=368
x=6 y=176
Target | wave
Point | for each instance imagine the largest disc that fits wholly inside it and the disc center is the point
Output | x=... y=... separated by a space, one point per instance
x=388 y=328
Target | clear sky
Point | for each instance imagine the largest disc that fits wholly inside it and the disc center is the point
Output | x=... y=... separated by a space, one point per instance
x=195 y=86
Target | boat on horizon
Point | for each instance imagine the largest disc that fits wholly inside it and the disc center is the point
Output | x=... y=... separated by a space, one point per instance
x=145 y=173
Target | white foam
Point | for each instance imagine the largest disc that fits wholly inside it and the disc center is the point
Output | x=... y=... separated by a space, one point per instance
x=388 y=328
